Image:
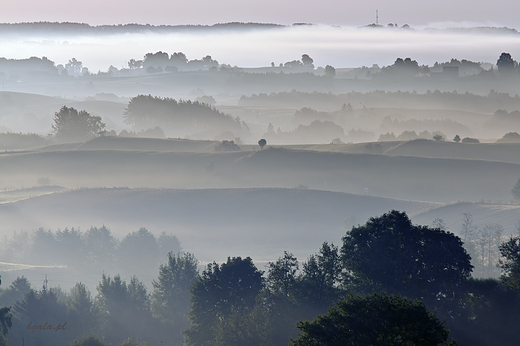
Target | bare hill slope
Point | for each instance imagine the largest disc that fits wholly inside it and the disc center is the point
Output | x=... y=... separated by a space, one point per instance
x=212 y=223
x=504 y=152
x=404 y=177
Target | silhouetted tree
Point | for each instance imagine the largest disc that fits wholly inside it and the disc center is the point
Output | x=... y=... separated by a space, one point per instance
x=37 y=308
x=262 y=143
x=125 y=309
x=307 y=61
x=456 y=139
x=438 y=138
x=16 y=291
x=281 y=277
x=168 y=243
x=470 y=140
x=377 y=319
x=389 y=253
x=226 y=145
x=320 y=279
x=100 y=248
x=73 y=67
x=330 y=71
x=510 y=262
x=156 y=60
x=135 y=64
x=171 y=293
x=71 y=125
x=506 y=65
x=218 y=294
x=510 y=137
x=83 y=314
x=138 y=252
x=178 y=60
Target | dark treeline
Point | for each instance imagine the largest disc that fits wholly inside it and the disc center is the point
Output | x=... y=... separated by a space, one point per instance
x=11 y=140
x=236 y=303
x=83 y=28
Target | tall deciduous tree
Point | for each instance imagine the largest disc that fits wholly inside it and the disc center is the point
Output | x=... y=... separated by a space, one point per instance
x=389 y=253
x=220 y=292
x=71 y=125
x=320 y=278
x=171 y=293
x=510 y=264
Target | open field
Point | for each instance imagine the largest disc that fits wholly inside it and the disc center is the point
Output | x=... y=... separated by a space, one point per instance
x=417 y=170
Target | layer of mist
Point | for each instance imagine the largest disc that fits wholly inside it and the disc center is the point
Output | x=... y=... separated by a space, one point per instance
x=336 y=46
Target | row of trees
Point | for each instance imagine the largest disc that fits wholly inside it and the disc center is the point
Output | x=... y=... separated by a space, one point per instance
x=235 y=303
x=161 y=61
x=91 y=252
x=119 y=311
x=376 y=99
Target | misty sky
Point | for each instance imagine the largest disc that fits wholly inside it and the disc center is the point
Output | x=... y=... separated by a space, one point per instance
x=333 y=12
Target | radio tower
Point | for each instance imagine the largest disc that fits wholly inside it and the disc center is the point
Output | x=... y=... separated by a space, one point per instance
x=377 y=17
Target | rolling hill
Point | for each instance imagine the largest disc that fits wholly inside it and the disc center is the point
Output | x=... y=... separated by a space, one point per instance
x=212 y=223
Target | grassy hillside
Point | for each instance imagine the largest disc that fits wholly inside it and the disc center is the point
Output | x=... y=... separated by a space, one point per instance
x=8 y=196
x=149 y=144
x=212 y=223
x=197 y=165
x=503 y=152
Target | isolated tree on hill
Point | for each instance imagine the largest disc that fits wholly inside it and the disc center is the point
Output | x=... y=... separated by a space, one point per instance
x=377 y=319
x=438 y=138
x=506 y=65
x=262 y=143
x=307 y=61
x=330 y=71
x=71 y=125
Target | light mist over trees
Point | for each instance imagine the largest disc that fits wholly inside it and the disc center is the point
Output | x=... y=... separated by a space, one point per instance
x=236 y=303
x=185 y=194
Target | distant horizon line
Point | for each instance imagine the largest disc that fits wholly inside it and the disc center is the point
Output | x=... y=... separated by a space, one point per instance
x=244 y=24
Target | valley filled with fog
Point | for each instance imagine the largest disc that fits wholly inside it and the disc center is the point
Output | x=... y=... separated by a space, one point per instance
x=124 y=146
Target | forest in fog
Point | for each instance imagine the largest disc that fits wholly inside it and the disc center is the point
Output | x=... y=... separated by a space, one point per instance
x=183 y=198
